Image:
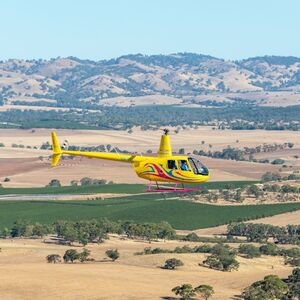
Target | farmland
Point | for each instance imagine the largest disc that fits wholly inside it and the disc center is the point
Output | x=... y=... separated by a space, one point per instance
x=139 y=208
x=110 y=188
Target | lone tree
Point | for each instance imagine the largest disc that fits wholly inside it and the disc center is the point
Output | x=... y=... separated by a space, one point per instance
x=54 y=183
x=113 y=254
x=172 y=263
x=205 y=291
x=53 y=258
x=185 y=291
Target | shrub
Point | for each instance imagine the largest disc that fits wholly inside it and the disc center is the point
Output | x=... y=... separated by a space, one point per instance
x=203 y=249
x=113 y=254
x=249 y=251
x=54 y=183
x=172 y=263
x=71 y=255
x=293 y=261
x=269 y=249
x=191 y=237
x=277 y=161
x=53 y=258
x=221 y=262
x=83 y=256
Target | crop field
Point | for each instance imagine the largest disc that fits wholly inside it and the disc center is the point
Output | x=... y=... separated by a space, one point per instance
x=110 y=188
x=139 y=208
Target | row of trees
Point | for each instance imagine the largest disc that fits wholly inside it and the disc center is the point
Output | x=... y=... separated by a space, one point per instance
x=84 y=232
x=223 y=256
x=73 y=255
x=245 y=154
x=85 y=181
x=269 y=176
x=270 y=118
x=289 y=234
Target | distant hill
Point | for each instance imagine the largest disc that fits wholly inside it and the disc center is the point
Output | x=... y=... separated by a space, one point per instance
x=192 y=78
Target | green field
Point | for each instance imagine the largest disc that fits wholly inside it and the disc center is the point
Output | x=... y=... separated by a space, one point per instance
x=139 y=208
x=109 y=188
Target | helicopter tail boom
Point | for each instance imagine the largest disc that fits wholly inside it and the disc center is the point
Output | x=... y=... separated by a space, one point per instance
x=58 y=152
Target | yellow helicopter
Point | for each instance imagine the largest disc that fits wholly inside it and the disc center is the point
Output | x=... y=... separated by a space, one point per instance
x=165 y=167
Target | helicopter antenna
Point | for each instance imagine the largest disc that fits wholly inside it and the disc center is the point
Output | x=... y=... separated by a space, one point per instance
x=166 y=131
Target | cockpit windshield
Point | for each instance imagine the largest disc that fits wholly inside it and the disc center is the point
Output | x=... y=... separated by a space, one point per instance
x=198 y=167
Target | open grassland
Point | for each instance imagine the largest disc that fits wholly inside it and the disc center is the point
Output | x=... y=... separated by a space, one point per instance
x=23 y=268
x=140 y=208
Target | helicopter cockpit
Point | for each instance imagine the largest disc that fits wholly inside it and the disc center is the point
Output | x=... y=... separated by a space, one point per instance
x=197 y=167
x=194 y=166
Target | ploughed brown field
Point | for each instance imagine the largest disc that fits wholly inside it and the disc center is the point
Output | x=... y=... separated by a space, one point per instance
x=31 y=167
x=25 y=274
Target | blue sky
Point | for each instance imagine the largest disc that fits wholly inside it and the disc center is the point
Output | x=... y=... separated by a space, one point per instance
x=231 y=29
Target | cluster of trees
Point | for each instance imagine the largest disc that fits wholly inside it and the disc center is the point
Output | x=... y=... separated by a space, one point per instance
x=73 y=255
x=222 y=254
x=187 y=292
x=283 y=193
x=90 y=181
x=85 y=181
x=245 y=154
x=272 y=287
x=269 y=176
x=99 y=148
x=289 y=234
x=222 y=258
x=84 y=232
x=23 y=228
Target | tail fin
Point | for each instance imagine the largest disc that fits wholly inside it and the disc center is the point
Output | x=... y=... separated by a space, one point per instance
x=56 y=150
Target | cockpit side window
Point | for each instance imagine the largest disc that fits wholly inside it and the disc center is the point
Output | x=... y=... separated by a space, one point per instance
x=172 y=165
x=193 y=165
x=183 y=165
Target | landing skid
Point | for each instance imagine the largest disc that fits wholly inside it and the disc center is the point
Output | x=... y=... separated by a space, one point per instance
x=169 y=189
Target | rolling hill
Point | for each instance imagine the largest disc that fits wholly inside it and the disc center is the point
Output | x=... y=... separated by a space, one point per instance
x=181 y=78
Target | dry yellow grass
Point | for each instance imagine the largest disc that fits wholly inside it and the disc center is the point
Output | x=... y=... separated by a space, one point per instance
x=24 y=273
